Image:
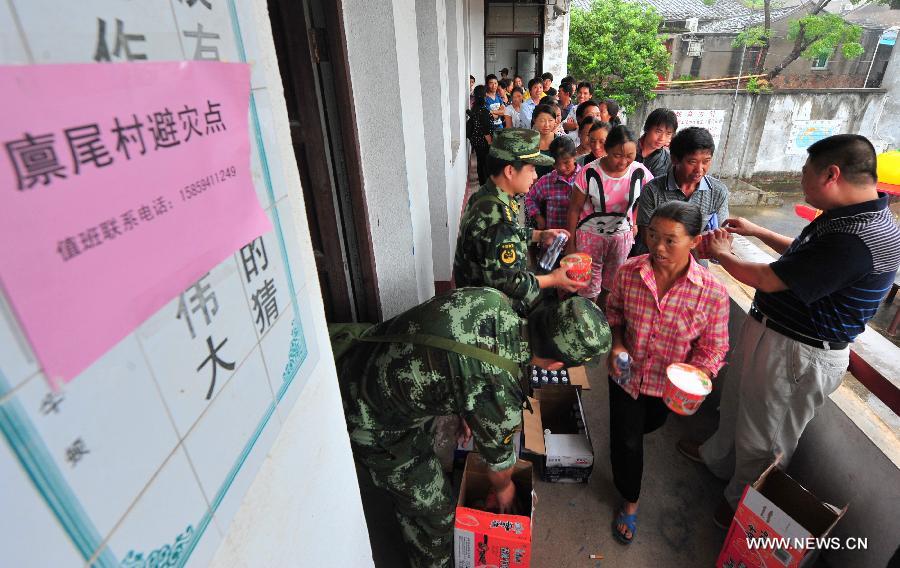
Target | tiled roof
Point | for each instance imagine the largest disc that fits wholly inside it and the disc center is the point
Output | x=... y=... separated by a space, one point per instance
x=874 y=16
x=741 y=23
x=683 y=9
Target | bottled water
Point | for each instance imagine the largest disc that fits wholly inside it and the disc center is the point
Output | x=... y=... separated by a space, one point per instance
x=623 y=360
x=548 y=260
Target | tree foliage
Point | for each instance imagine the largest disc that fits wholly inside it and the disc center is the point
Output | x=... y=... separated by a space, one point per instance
x=815 y=35
x=616 y=46
x=823 y=33
x=756 y=36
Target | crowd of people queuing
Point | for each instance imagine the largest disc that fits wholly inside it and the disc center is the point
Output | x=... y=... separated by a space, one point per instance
x=645 y=208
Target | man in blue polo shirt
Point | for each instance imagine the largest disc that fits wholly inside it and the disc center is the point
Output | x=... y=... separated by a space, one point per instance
x=809 y=305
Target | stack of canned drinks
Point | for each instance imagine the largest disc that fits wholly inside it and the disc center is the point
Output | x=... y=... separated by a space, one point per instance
x=541 y=377
x=579 y=420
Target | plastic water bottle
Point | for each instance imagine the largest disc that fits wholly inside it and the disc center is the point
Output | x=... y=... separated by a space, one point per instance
x=548 y=260
x=712 y=225
x=623 y=360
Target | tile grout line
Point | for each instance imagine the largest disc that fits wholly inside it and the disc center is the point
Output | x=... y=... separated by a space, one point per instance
x=21 y=31
x=172 y=421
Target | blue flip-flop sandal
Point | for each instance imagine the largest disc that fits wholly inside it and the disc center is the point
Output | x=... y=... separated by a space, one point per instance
x=630 y=522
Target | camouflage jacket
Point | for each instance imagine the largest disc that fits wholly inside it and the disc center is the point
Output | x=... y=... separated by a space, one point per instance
x=492 y=249
x=400 y=386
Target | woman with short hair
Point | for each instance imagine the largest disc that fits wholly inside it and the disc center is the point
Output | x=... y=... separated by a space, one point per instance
x=663 y=308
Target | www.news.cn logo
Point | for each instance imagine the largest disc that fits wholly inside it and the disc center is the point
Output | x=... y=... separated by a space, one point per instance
x=831 y=543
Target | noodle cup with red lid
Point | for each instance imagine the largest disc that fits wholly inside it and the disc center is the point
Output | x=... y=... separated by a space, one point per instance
x=686 y=388
x=577 y=266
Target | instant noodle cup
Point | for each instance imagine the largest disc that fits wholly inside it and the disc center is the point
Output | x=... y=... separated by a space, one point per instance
x=577 y=266
x=686 y=387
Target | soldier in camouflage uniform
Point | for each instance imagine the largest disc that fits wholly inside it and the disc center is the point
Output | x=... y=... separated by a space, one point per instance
x=393 y=390
x=492 y=248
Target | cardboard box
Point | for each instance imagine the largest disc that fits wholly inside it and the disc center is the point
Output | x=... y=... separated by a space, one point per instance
x=482 y=538
x=776 y=506
x=565 y=454
x=578 y=378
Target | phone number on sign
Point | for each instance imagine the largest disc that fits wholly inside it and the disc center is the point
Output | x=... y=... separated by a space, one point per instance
x=198 y=187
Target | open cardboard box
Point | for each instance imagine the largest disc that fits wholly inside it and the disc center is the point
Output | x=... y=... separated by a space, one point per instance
x=578 y=378
x=565 y=455
x=776 y=506
x=483 y=538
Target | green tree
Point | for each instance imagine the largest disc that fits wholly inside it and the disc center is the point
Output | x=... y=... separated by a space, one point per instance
x=616 y=46
x=814 y=35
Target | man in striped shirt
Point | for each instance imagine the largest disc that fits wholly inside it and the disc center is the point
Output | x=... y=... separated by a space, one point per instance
x=809 y=305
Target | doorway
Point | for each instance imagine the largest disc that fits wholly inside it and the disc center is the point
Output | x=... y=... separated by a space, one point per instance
x=513 y=38
x=308 y=37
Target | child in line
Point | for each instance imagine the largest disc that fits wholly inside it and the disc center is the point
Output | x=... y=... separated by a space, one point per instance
x=602 y=210
x=548 y=199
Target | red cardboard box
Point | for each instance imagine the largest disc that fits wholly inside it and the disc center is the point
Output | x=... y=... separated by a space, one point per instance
x=482 y=538
x=776 y=507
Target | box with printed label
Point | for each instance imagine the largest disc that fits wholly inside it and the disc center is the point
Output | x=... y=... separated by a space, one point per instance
x=485 y=538
x=776 y=507
x=556 y=438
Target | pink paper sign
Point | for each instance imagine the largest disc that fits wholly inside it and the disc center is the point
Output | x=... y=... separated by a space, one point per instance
x=120 y=186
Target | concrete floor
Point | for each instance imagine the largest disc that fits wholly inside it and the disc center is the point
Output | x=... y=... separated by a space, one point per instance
x=572 y=521
x=678 y=498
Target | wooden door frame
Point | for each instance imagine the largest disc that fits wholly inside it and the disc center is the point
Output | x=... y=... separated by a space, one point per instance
x=332 y=181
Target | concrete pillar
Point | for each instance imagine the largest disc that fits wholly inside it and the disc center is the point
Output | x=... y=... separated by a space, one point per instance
x=383 y=54
x=556 y=43
x=476 y=40
x=431 y=19
x=458 y=86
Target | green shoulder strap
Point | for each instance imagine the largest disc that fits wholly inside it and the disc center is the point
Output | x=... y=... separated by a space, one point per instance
x=344 y=335
x=484 y=355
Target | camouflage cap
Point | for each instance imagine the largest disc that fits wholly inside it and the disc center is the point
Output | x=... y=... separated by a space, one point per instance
x=519 y=145
x=572 y=331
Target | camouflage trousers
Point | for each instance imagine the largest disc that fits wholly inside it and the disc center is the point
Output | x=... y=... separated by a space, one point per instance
x=404 y=464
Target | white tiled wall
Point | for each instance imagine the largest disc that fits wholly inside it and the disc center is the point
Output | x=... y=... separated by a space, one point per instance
x=17 y=493
x=131 y=455
x=115 y=410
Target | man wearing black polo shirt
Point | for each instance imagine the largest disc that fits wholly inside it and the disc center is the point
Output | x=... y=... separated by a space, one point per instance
x=809 y=305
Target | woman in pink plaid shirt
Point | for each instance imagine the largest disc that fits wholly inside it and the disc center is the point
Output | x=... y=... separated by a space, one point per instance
x=663 y=308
